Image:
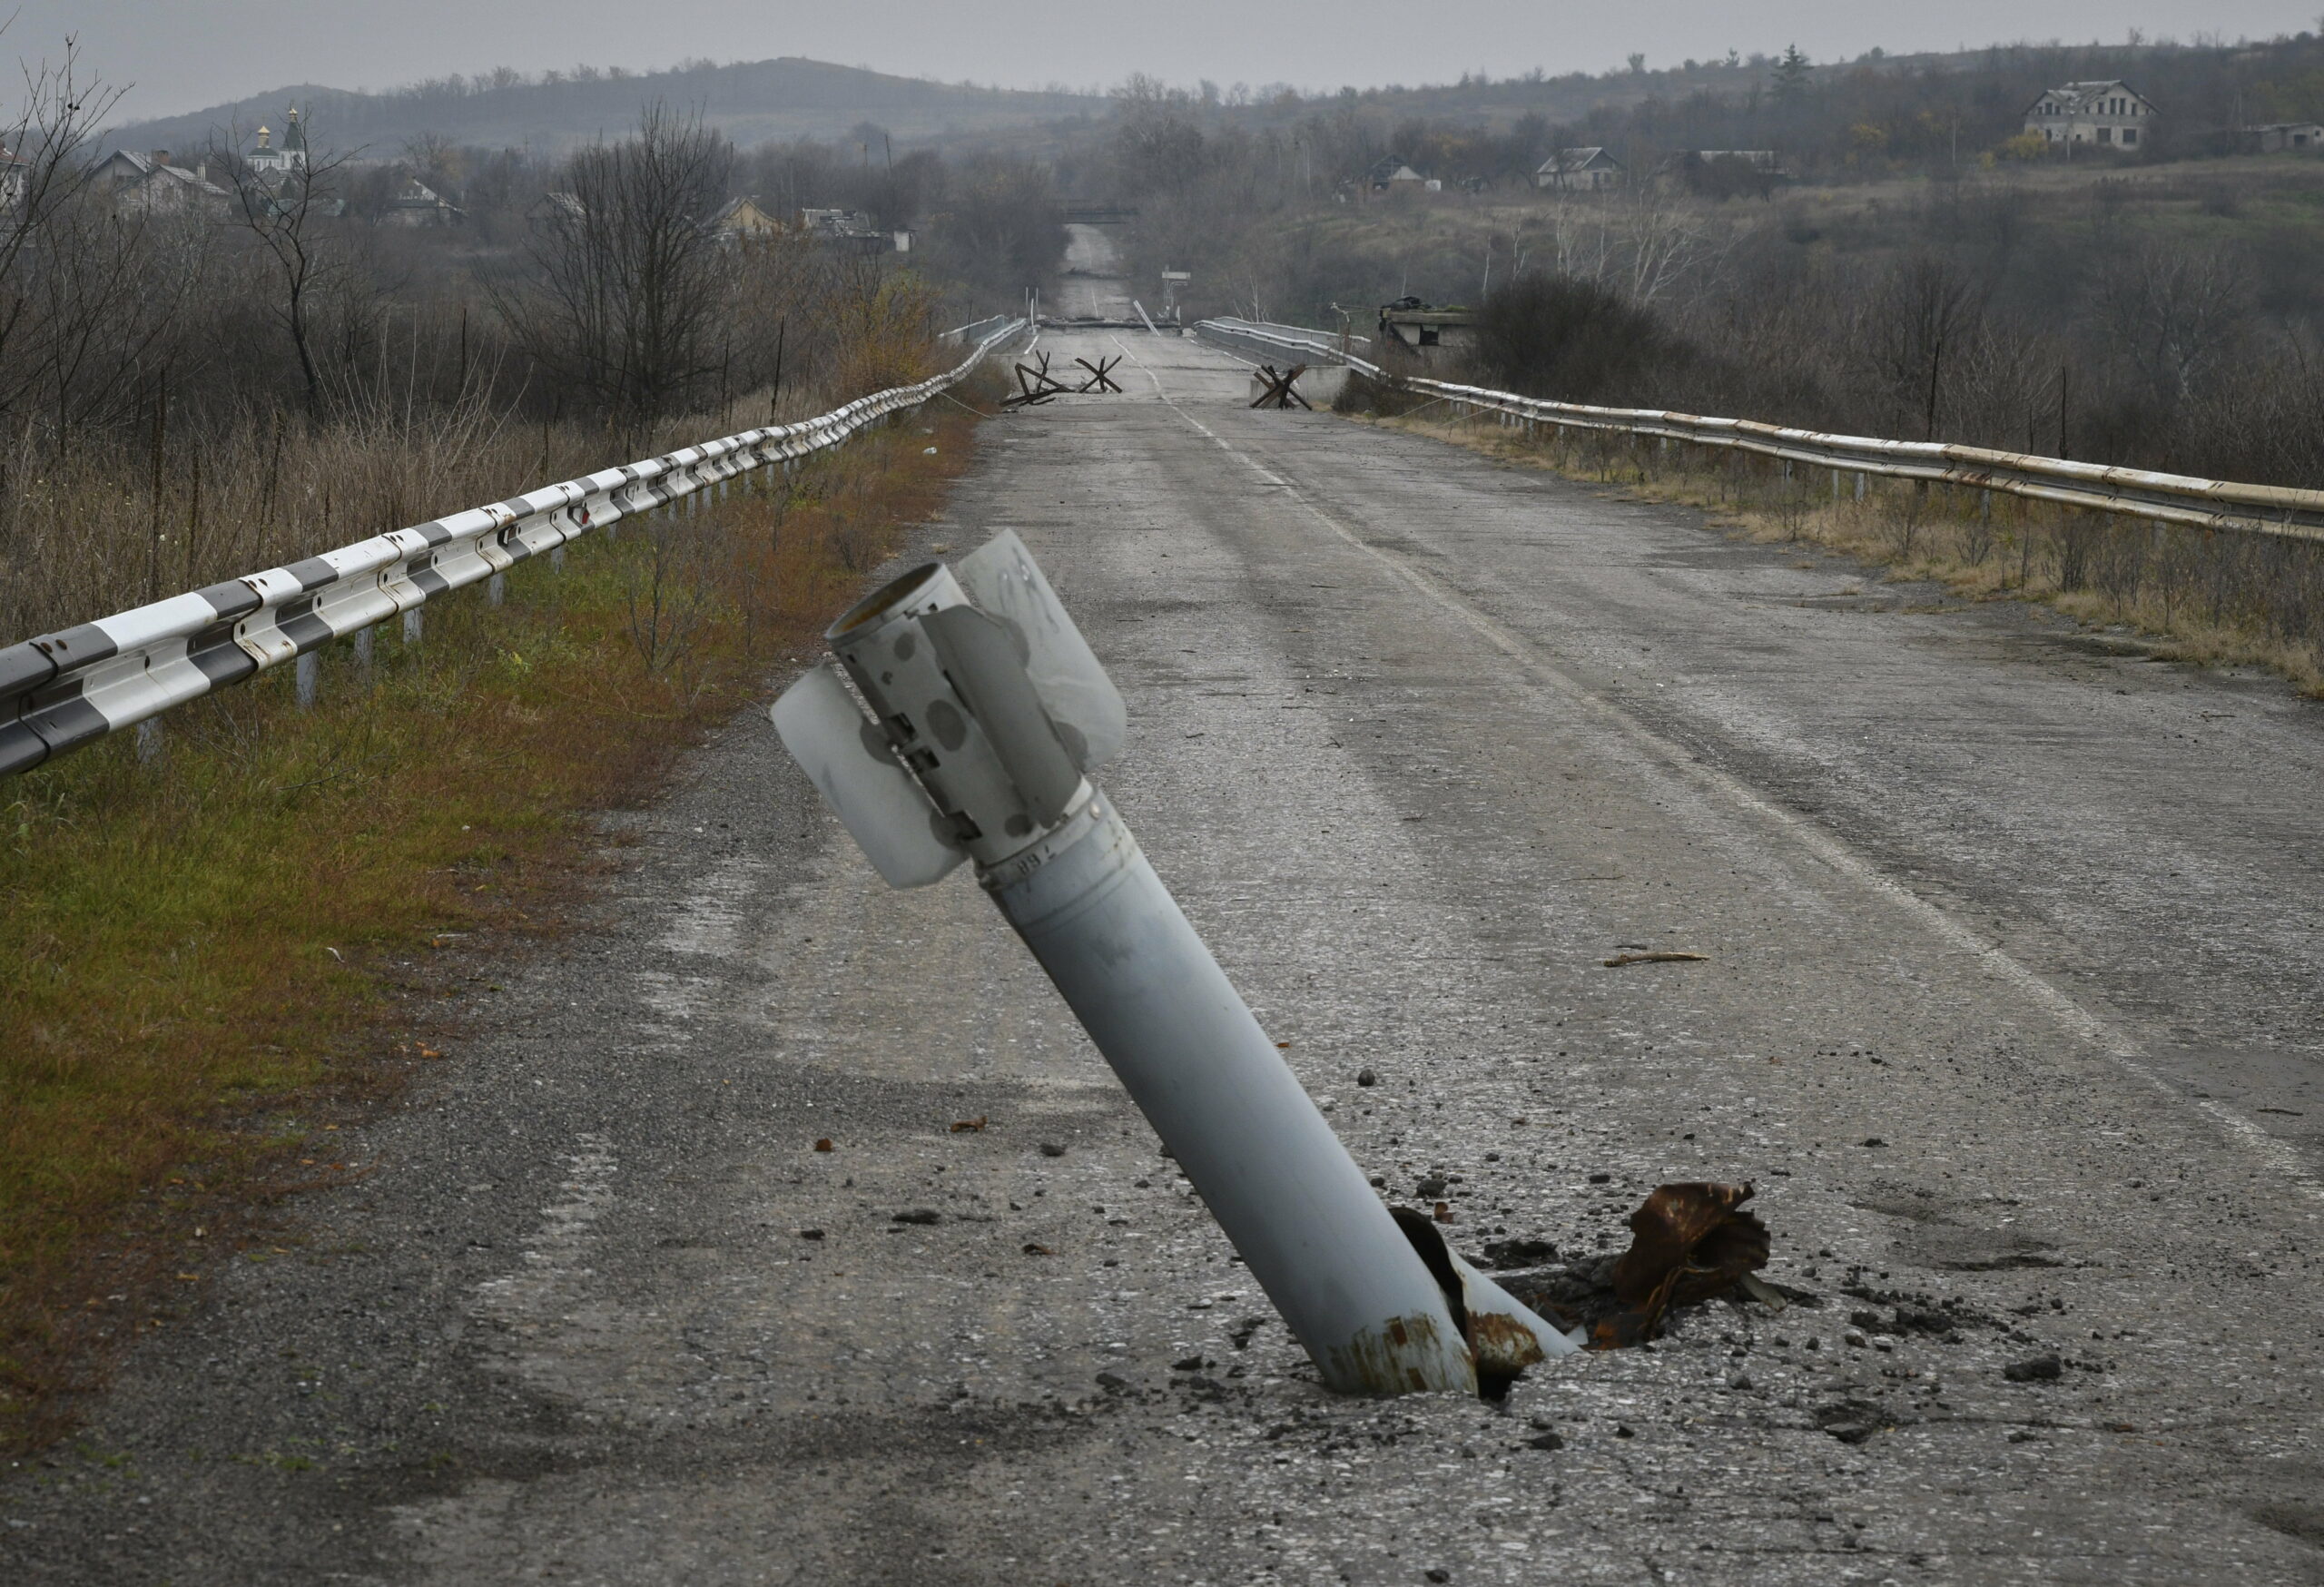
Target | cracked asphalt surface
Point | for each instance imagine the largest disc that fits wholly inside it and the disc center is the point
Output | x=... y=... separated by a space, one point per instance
x=2010 y=1008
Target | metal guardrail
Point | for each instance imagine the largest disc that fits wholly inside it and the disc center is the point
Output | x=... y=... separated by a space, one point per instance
x=2177 y=498
x=63 y=690
x=976 y=329
x=1259 y=337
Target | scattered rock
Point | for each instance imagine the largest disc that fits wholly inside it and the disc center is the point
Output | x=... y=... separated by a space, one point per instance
x=1241 y=1332
x=1545 y=1441
x=1050 y=1149
x=1191 y=1363
x=917 y=1214
x=1033 y=1250
x=810 y=1234
x=1624 y=1431
x=824 y=1145
x=2034 y=1370
x=1113 y=1383
x=1517 y=1253
x=1430 y=1188
x=1365 y=1077
x=1849 y=1421
x=1873 y=1140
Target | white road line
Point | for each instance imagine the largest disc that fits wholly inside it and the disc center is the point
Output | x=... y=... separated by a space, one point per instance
x=2278 y=1156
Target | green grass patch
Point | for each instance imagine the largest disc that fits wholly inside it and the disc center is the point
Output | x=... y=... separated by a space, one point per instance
x=204 y=952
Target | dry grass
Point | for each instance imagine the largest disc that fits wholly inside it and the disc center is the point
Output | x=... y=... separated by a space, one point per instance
x=2215 y=599
x=200 y=954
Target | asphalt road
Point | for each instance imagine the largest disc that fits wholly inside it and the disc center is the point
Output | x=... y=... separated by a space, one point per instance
x=2011 y=1003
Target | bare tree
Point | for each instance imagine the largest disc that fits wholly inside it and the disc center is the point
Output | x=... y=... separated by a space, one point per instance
x=287 y=212
x=1917 y=318
x=40 y=195
x=629 y=279
x=2174 y=312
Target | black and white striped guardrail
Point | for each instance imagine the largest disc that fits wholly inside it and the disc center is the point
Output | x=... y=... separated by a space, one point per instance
x=2179 y=498
x=62 y=690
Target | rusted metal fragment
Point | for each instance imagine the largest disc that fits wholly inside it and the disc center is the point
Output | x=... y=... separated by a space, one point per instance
x=1689 y=1242
x=1503 y=1334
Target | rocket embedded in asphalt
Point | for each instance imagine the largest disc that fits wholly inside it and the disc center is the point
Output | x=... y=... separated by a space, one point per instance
x=986 y=712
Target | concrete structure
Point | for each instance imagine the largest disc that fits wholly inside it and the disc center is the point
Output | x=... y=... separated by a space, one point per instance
x=2108 y=115
x=2278 y=137
x=1589 y=169
x=1425 y=332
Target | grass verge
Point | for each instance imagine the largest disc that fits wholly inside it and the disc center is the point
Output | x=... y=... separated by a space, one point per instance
x=2205 y=598
x=200 y=949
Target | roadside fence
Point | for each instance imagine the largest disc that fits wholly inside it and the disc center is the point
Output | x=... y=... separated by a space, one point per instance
x=2174 y=498
x=62 y=690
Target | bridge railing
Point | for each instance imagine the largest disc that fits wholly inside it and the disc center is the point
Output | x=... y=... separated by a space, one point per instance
x=62 y=690
x=2174 y=498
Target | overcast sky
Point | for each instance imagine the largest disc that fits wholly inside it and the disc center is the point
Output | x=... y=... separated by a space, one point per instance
x=181 y=55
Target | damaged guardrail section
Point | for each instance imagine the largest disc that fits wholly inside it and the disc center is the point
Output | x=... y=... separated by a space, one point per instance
x=2175 y=498
x=63 y=690
x=962 y=723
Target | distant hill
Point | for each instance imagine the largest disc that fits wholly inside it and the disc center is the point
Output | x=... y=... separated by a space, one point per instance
x=753 y=102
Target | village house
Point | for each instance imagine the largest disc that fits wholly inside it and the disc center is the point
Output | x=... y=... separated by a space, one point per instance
x=1389 y=173
x=552 y=209
x=2109 y=114
x=417 y=204
x=2276 y=137
x=743 y=220
x=149 y=182
x=852 y=229
x=1589 y=169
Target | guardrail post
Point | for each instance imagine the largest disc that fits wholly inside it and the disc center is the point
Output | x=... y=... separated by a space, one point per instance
x=363 y=648
x=1859 y=486
x=149 y=741
x=411 y=625
x=496 y=589
x=309 y=674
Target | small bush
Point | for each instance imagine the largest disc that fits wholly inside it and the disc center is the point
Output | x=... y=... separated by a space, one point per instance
x=1565 y=337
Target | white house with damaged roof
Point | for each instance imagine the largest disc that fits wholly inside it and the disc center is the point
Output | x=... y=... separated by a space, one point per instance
x=2110 y=115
